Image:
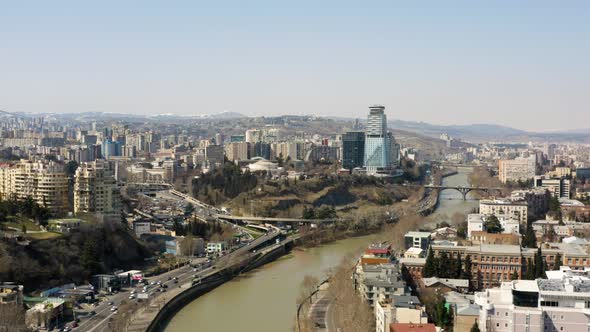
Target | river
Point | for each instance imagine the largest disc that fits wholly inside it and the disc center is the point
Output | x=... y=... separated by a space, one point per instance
x=264 y=300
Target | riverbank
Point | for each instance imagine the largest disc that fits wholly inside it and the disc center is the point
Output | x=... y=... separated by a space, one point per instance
x=265 y=299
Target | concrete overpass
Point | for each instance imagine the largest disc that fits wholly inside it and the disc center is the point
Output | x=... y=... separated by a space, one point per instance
x=263 y=220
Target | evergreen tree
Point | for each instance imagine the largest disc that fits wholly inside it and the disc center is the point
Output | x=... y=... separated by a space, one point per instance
x=529 y=239
x=458 y=267
x=539 y=272
x=557 y=263
x=475 y=328
x=466 y=273
x=530 y=270
x=514 y=275
x=492 y=225
x=431 y=265
x=443 y=266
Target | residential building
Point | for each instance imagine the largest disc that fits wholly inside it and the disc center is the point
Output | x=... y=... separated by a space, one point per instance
x=559 y=303
x=45 y=182
x=516 y=209
x=519 y=169
x=399 y=309
x=557 y=187
x=64 y=225
x=96 y=190
x=216 y=247
x=445 y=285
x=476 y=222
x=399 y=327
x=483 y=237
x=536 y=198
x=377 y=282
x=11 y=293
x=236 y=151
x=417 y=240
x=214 y=154
x=353 y=149
x=141 y=227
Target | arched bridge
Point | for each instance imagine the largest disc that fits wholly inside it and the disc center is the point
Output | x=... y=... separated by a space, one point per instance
x=465 y=190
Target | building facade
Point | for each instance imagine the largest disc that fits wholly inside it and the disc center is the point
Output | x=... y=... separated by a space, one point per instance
x=353 y=149
x=96 y=190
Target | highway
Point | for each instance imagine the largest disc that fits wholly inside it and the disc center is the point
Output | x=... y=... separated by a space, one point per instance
x=100 y=321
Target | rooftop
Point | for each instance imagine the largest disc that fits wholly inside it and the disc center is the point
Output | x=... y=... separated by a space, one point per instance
x=418 y=234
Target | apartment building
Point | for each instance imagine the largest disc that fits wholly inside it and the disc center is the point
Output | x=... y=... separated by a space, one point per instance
x=536 y=198
x=377 y=282
x=557 y=187
x=560 y=303
x=237 y=151
x=406 y=309
x=44 y=181
x=95 y=190
x=517 y=209
x=519 y=169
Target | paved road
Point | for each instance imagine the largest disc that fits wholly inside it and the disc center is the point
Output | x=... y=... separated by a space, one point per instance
x=99 y=321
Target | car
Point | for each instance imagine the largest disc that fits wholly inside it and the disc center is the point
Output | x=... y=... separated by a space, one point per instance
x=111 y=303
x=152 y=283
x=114 y=308
x=92 y=313
x=169 y=278
x=131 y=297
x=175 y=278
x=159 y=282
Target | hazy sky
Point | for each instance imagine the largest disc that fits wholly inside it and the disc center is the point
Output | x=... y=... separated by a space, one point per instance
x=526 y=65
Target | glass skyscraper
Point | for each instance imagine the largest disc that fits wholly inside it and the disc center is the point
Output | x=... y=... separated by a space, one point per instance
x=378 y=142
x=353 y=149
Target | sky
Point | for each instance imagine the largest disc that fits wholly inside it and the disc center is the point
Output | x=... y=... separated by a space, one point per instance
x=523 y=64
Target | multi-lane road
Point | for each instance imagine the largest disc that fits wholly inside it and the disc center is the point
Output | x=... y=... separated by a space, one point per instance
x=100 y=321
x=103 y=313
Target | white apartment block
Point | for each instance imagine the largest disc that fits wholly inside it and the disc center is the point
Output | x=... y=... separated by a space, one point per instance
x=517 y=209
x=519 y=169
x=476 y=221
x=95 y=190
x=560 y=303
x=45 y=182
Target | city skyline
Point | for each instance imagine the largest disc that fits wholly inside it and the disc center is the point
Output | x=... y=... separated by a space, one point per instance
x=439 y=64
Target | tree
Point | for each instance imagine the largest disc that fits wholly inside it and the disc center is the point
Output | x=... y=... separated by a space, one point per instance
x=443 y=266
x=189 y=209
x=492 y=225
x=458 y=267
x=514 y=275
x=539 y=271
x=467 y=271
x=530 y=270
x=557 y=264
x=431 y=265
x=529 y=240
x=71 y=168
x=475 y=328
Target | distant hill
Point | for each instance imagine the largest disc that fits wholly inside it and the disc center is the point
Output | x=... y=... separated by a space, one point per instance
x=477 y=133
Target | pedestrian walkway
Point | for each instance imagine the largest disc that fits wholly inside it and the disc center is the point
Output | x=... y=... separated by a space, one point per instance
x=318 y=312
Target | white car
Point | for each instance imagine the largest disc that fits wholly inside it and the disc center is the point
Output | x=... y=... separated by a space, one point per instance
x=114 y=308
